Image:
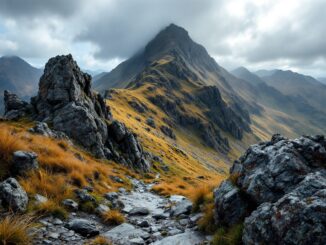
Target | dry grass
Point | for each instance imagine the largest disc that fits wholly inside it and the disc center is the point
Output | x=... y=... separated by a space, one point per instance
x=50 y=207
x=99 y=240
x=63 y=167
x=9 y=143
x=200 y=196
x=15 y=230
x=113 y=217
x=207 y=223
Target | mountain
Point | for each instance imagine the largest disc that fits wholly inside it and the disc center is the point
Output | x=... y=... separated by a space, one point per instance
x=17 y=76
x=245 y=74
x=271 y=97
x=305 y=88
x=322 y=80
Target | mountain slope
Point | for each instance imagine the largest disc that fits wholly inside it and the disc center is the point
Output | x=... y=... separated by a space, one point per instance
x=303 y=87
x=312 y=118
x=175 y=96
x=18 y=76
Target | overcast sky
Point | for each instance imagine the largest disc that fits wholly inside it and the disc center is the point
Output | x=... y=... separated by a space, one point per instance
x=286 y=34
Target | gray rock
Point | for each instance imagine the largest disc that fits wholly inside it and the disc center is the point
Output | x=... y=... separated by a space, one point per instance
x=13 y=196
x=230 y=208
x=111 y=196
x=123 y=233
x=182 y=207
x=65 y=100
x=139 y=211
x=279 y=186
x=15 y=108
x=43 y=129
x=101 y=209
x=23 y=162
x=143 y=223
x=70 y=204
x=84 y=196
x=297 y=218
x=186 y=238
x=83 y=227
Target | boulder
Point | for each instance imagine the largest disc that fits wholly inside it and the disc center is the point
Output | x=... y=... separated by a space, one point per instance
x=230 y=208
x=111 y=196
x=43 y=129
x=15 y=108
x=39 y=199
x=182 y=207
x=186 y=238
x=123 y=233
x=70 y=204
x=278 y=188
x=84 y=196
x=139 y=211
x=13 y=196
x=150 y=122
x=83 y=227
x=23 y=162
x=102 y=209
x=296 y=218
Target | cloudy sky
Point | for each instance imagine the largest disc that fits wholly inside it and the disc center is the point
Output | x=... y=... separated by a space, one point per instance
x=100 y=34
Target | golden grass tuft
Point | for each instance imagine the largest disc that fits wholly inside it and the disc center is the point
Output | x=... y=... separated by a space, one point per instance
x=9 y=143
x=99 y=240
x=15 y=230
x=52 y=208
x=113 y=217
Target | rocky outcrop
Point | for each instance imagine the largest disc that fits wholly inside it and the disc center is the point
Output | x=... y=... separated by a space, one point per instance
x=13 y=196
x=66 y=102
x=15 y=108
x=278 y=188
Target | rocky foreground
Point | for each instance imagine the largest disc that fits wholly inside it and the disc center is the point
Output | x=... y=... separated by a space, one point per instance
x=278 y=189
x=150 y=219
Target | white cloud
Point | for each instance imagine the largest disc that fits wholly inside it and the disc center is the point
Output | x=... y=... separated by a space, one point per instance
x=100 y=33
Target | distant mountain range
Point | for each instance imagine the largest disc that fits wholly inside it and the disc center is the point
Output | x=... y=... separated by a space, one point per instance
x=18 y=76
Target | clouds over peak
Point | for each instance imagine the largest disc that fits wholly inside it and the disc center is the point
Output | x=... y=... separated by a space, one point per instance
x=268 y=33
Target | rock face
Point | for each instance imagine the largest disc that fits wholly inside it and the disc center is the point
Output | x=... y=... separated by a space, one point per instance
x=279 y=186
x=65 y=101
x=15 y=108
x=13 y=196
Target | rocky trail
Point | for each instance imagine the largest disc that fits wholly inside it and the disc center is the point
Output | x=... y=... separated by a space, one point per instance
x=150 y=219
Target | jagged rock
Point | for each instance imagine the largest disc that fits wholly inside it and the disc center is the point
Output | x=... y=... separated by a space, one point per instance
x=15 y=108
x=297 y=218
x=83 y=227
x=168 y=132
x=280 y=187
x=186 y=238
x=23 y=162
x=43 y=129
x=70 y=204
x=65 y=100
x=230 y=208
x=150 y=122
x=13 y=196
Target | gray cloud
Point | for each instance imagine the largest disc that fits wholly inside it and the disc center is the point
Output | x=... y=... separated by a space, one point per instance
x=271 y=33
